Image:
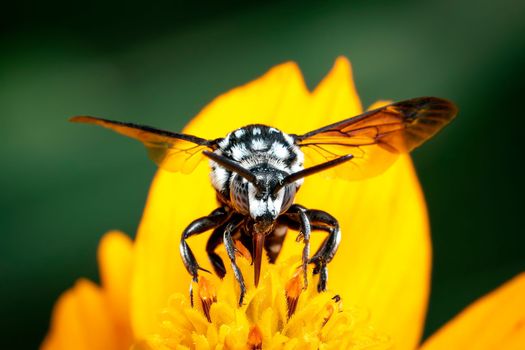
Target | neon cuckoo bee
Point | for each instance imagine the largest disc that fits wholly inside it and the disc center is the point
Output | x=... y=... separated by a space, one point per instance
x=257 y=170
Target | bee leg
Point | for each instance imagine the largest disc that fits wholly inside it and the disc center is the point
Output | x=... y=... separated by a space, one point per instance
x=213 y=242
x=305 y=229
x=328 y=248
x=322 y=270
x=302 y=223
x=216 y=218
x=319 y=221
x=232 y=226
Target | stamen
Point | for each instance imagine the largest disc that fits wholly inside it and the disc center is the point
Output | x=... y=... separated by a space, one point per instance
x=293 y=291
x=255 y=338
x=330 y=311
x=208 y=296
x=337 y=299
x=332 y=307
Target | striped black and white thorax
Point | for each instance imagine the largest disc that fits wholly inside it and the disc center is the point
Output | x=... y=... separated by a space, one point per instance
x=270 y=155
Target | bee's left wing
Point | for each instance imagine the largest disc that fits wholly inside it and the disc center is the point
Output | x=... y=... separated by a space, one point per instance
x=170 y=151
x=375 y=138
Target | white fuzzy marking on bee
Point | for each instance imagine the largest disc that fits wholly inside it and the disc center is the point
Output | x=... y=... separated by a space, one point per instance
x=298 y=164
x=256 y=131
x=239 y=151
x=259 y=145
x=219 y=176
x=300 y=157
x=288 y=139
x=224 y=142
x=250 y=162
x=280 y=150
x=239 y=132
x=259 y=207
x=275 y=130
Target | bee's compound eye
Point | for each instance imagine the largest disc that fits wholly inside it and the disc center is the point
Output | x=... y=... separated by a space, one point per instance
x=239 y=195
x=288 y=197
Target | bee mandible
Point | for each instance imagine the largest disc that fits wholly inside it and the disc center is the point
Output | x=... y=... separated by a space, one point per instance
x=256 y=171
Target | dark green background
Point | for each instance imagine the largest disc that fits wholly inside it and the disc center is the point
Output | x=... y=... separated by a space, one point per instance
x=63 y=186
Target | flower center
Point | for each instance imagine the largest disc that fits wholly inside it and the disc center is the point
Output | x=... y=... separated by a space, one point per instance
x=279 y=314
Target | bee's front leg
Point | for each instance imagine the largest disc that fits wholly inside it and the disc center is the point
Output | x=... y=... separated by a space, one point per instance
x=216 y=218
x=231 y=227
x=305 y=230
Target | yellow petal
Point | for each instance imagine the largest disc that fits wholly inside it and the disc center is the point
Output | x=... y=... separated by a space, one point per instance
x=496 y=321
x=82 y=321
x=175 y=199
x=383 y=262
x=336 y=98
x=115 y=261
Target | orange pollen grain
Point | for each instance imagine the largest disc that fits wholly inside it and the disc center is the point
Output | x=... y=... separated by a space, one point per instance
x=293 y=291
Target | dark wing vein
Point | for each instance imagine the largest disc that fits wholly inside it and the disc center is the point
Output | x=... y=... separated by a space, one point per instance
x=377 y=136
x=171 y=151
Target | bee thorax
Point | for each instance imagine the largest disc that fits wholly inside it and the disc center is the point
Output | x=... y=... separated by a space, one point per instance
x=265 y=151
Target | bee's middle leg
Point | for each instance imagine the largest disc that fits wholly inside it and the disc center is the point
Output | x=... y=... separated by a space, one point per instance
x=318 y=220
x=328 y=248
x=213 y=242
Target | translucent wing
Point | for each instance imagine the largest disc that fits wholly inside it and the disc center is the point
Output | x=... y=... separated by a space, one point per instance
x=170 y=151
x=377 y=137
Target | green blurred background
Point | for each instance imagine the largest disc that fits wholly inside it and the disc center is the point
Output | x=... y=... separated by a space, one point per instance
x=63 y=186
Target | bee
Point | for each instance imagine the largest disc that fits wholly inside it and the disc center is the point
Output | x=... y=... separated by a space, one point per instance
x=256 y=171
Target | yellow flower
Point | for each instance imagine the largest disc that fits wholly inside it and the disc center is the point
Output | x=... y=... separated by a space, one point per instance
x=381 y=271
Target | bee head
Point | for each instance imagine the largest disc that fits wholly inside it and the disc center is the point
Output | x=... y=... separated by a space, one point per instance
x=267 y=197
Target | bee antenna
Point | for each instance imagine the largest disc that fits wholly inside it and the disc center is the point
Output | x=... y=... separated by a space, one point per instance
x=231 y=165
x=312 y=170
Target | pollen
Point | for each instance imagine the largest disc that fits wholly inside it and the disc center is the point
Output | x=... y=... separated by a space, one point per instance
x=255 y=338
x=278 y=314
x=293 y=291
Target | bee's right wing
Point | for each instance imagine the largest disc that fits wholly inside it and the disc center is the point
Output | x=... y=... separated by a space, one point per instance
x=170 y=151
x=375 y=138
